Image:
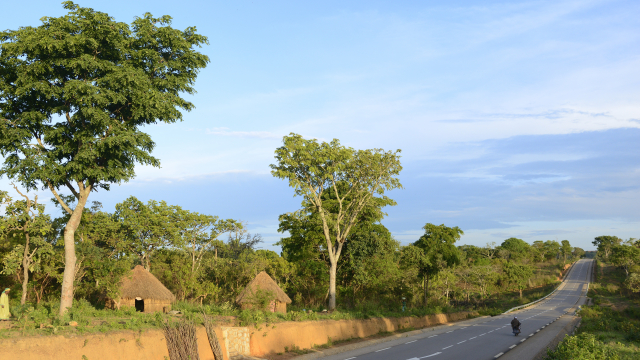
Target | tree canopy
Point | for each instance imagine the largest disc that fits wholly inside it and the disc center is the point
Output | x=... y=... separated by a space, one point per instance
x=605 y=244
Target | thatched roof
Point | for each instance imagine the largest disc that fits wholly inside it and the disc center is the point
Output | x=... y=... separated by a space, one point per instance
x=264 y=282
x=141 y=283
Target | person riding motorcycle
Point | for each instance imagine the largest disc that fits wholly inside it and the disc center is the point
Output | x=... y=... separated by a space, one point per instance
x=515 y=324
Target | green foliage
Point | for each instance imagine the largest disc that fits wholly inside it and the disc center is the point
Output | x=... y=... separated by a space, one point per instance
x=516 y=248
x=633 y=282
x=517 y=275
x=438 y=251
x=625 y=256
x=109 y=79
x=583 y=347
x=338 y=183
x=74 y=93
x=566 y=249
x=605 y=244
x=262 y=299
x=146 y=227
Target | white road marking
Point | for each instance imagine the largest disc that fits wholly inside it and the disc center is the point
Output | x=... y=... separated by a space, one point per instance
x=434 y=354
x=449 y=331
x=473 y=337
x=462 y=341
x=447 y=347
x=512 y=346
x=497 y=356
x=383 y=349
x=350 y=358
x=432 y=336
x=411 y=342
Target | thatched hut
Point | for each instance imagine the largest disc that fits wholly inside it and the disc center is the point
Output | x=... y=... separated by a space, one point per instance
x=263 y=284
x=142 y=290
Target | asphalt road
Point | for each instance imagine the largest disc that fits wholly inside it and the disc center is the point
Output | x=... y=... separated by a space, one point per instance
x=487 y=338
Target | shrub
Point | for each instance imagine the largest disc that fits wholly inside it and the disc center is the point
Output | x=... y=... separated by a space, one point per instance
x=583 y=347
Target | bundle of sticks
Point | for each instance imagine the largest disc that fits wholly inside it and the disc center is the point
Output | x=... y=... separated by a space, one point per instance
x=181 y=341
x=213 y=338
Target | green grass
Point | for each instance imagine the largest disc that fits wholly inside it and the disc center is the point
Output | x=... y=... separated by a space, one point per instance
x=42 y=319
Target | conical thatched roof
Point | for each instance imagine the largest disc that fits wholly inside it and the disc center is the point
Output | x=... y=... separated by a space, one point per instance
x=141 y=283
x=264 y=282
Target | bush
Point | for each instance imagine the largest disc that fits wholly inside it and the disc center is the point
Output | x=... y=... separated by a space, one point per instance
x=582 y=347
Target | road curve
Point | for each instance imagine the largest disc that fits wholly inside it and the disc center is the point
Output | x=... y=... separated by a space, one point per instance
x=487 y=338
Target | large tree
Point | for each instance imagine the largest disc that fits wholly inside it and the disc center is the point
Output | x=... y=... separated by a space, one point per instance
x=625 y=256
x=74 y=93
x=517 y=275
x=605 y=244
x=352 y=176
x=552 y=249
x=517 y=248
x=306 y=244
x=438 y=245
x=566 y=249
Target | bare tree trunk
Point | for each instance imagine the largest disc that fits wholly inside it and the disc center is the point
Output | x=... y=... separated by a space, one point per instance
x=68 y=277
x=25 y=269
x=332 y=285
x=520 y=293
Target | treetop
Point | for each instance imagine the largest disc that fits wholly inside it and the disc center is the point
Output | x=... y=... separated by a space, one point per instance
x=75 y=91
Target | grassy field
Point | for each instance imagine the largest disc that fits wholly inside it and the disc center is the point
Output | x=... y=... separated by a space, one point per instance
x=610 y=328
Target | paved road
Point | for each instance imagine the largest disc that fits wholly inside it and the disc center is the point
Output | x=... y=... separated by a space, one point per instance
x=486 y=338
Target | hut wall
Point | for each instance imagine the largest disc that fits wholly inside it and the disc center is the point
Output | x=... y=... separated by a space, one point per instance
x=127 y=303
x=279 y=307
x=153 y=305
x=150 y=305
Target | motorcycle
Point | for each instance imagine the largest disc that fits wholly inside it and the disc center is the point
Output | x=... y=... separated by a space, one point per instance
x=516 y=331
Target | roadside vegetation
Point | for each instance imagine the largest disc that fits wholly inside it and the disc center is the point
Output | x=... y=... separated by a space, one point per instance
x=610 y=327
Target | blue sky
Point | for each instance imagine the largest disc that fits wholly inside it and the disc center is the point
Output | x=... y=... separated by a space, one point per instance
x=514 y=118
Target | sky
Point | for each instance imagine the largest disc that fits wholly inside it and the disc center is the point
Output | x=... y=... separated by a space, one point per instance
x=515 y=118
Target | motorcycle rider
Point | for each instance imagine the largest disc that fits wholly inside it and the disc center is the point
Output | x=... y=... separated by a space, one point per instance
x=515 y=323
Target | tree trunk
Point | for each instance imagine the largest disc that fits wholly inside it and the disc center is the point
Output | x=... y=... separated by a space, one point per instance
x=25 y=269
x=146 y=262
x=68 y=277
x=332 y=284
x=520 y=293
x=426 y=289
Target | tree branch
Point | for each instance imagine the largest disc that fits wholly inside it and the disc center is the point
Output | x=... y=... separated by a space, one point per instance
x=62 y=203
x=73 y=190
